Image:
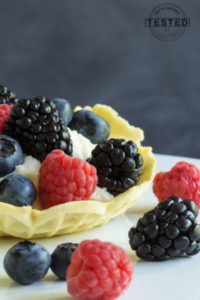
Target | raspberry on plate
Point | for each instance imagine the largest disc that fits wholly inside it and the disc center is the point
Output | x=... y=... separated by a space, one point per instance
x=183 y=180
x=4 y=114
x=64 y=178
x=98 y=271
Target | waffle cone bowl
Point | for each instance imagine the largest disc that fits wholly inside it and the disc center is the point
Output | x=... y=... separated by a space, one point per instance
x=27 y=222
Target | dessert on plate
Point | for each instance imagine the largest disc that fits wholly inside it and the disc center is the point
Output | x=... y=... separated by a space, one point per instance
x=81 y=167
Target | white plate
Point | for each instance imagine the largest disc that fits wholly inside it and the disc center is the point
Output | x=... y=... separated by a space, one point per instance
x=170 y=280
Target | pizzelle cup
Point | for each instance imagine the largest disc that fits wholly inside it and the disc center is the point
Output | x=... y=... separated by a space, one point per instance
x=27 y=222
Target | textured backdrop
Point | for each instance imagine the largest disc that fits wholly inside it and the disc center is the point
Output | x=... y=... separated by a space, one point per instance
x=92 y=51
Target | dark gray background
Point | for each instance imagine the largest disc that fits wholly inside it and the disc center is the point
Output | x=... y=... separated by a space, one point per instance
x=91 y=51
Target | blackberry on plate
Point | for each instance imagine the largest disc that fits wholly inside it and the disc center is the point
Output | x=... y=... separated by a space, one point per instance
x=167 y=231
x=38 y=128
x=6 y=96
x=61 y=259
x=118 y=163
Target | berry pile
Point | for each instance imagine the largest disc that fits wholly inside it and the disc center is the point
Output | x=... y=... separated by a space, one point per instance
x=118 y=163
x=39 y=127
x=168 y=231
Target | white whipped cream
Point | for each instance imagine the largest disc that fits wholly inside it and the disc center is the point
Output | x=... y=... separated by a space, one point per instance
x=29 y=168
x=101 y=194
x=82 y=147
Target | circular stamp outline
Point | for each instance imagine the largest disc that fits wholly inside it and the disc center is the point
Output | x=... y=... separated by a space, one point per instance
x=173 y=35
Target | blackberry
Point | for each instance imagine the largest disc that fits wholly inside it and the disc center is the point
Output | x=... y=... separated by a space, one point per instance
x=118 y=163
x=6 y=96
x=38 y=128
x=167 y=231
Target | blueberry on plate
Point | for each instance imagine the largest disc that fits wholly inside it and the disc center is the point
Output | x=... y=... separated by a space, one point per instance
x=92 y=126
x=27 y=262
x=18 y=190
x=61 y=258
x=64 y=109
x=11 y=154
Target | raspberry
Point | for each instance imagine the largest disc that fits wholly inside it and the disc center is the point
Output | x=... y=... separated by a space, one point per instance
x=98 y=271
x=183 y=180
x=64 y=178
x=4 y=114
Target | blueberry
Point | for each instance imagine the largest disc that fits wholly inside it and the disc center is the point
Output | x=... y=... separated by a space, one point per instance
x=17 y=190
x=27 y=262
x=64 y=109
x=10 y=154
x=92 y=126
x=61 y=258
